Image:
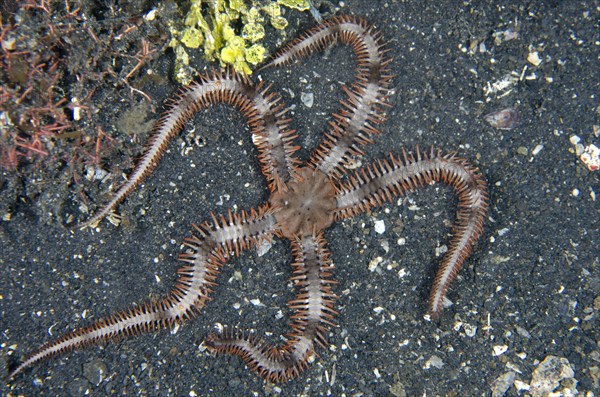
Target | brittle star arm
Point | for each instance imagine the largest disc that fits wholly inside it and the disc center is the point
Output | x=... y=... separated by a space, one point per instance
x=314 y=311
x=262 y=110
x=367 y=97
x=386 y=179
x=208 y=250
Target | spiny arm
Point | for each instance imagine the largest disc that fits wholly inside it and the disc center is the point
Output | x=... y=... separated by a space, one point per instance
x=262 y=110
x=314 y=311
x=384 y=180
x=366 y=99
x=208 y=250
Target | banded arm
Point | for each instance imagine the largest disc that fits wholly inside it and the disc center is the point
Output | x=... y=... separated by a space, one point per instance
x=313 y=316
x=366 y=98
x=386 y=179
x=263 y=111
x=208 y=250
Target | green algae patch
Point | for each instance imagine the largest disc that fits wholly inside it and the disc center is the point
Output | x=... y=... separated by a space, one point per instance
x=228 y=31
x=300 y=5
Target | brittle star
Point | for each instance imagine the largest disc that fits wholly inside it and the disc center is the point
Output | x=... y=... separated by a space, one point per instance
x=305 y=199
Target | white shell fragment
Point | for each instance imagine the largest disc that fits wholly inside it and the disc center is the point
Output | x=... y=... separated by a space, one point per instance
x=549 y=374
x=502 y=383
x=534 y=58
x=374 y=263
x=435 y=362
x=591 y=157
x=500 y=350
x=307 y=98
x=379 y=227
x=505 y=119
x=505 y=35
